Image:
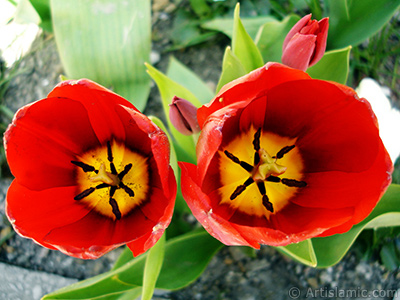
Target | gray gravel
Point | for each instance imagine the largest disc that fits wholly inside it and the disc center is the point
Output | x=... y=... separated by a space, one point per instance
x=17 y=283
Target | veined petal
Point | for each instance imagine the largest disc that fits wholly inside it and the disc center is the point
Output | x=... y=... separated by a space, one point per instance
x=299 y=51
x=33 y=213
x=40 y=145
x=92 y=173
x=198 y=203
x=300 y=159
x=100 y=104
x=246 y=88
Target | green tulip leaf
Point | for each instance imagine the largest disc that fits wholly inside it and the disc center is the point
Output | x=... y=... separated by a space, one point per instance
x=152 y=268
x=353 y=21
x=327 y=251
x=333 y=66
x=185 y=259
x=181 y=74
x=25 y=13
x=232 y=68
x=302 y=252
x=168 y=89
x=107 y=42
x=271 y=36
x=225 y=25
x=42 y=7
x=243 y=46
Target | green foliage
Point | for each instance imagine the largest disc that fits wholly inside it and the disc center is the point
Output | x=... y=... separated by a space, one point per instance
x=271 y=35
x=333 y=66
x=190 y=80
x=185 y=145
x=232 y=68
x=152 y=268
x=42 y=7
x=327 y=251
x=107 y=43
x=243 y=46
x=353 y=21
x=185 y=259
x=225 y=25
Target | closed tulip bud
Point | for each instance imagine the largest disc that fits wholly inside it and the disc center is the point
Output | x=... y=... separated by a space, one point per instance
x=183 y=116
x=305 y=43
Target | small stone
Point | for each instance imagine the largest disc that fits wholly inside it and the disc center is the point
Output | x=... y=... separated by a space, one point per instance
x=313 y=282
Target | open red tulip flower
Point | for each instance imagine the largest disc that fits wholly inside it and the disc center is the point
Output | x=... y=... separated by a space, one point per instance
x=283 y=158
x=91 y=173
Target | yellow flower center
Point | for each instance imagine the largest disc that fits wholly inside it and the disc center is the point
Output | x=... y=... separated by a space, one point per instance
x=256 y=182
x=112 y=180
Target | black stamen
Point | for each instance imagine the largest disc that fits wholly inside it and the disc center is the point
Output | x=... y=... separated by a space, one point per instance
x=261 y=187
x=85 y=167
x=111 y=159
x=243 y=164
x=127 y=189
x=109 y=152
x=293 y=183
x=84 y=194
x=240 y=189
x=113 y=169
x=256 y=158
x=256 y=140
x=273 y=178
x=283 y=151
x=125 y=171
x=102 y=185
x=112 y=190
x=267 y=204
x=246 y=166
x=115 y=208
x=232 y=157
x=265 y=201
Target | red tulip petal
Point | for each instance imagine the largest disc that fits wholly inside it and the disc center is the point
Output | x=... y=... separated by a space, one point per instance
x=97 y=230
x=199 y=204
x=40 y=145
x=253 y=85
x=335 y=132
x=295 y=29
x=211 y=137
x=145 y=136
x=35 y=213
x=92 y=252
x=100 y=104
x=147 y=241
x=309 y=221
x=299 y=51
x=349 y=188
x=320 y=44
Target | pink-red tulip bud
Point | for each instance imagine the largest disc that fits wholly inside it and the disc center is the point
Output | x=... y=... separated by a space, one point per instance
x=183 y=116
x=305 y=43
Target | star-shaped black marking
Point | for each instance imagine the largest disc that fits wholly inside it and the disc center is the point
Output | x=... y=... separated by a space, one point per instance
x=88 y=168
x=261 y=183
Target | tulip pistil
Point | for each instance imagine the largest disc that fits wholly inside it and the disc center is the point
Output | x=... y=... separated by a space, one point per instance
x=113 y=180
x=265 y=168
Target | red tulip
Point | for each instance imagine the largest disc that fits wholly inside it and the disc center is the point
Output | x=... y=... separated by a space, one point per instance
x=305 y=43
x=283 y=158
x=91 y=173
x=183 y=115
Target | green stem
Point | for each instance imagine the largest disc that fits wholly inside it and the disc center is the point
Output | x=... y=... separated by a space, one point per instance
x=4 y=110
